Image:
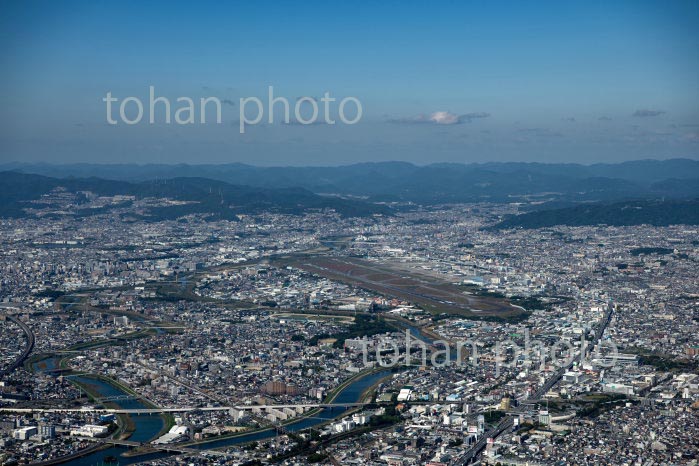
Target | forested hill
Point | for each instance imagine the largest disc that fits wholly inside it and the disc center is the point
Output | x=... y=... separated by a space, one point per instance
x=650 y=212
x=23 y=193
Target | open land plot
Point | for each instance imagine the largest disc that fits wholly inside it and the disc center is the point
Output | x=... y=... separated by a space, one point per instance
x=432 y=293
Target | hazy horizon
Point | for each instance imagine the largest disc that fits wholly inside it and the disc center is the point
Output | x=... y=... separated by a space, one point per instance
x=338 y=165
x=581 y=82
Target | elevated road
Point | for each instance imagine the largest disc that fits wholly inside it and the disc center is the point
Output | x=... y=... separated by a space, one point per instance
x=477 y=447
x=508 y=422
x=155 y=446
x=27 y=349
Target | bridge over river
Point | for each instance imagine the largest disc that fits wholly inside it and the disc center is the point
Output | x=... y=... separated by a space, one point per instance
x=176 y=410
x=153 y=446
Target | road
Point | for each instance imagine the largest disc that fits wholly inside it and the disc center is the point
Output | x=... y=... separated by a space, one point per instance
x=176 y=410
x=27 y=350
x=508 y=422
x=161 y=447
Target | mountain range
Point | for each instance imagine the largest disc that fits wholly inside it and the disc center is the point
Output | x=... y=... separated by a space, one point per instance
x=645 y=191
x=213 y=198
x=429 y=184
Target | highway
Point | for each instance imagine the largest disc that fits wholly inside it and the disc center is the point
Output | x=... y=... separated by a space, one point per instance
x=508 y=422
x=28 y=349
x=504 y=425
x=162 y=447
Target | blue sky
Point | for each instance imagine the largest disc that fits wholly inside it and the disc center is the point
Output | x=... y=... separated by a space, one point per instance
x=558 y=81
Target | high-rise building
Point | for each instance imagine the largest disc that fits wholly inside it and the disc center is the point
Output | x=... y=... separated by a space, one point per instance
x=47 y=431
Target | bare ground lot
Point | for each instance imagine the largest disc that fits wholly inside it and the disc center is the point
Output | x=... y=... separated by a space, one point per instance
x=430 y=292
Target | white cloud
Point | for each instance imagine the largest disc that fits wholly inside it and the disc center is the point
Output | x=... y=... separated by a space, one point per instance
x=444 y=118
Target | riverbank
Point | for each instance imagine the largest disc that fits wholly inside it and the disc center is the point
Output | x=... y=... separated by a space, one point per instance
x=356 y=388
x=352 y=391
x=96 y=386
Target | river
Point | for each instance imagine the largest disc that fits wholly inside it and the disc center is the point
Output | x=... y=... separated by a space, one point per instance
x=148 y=426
